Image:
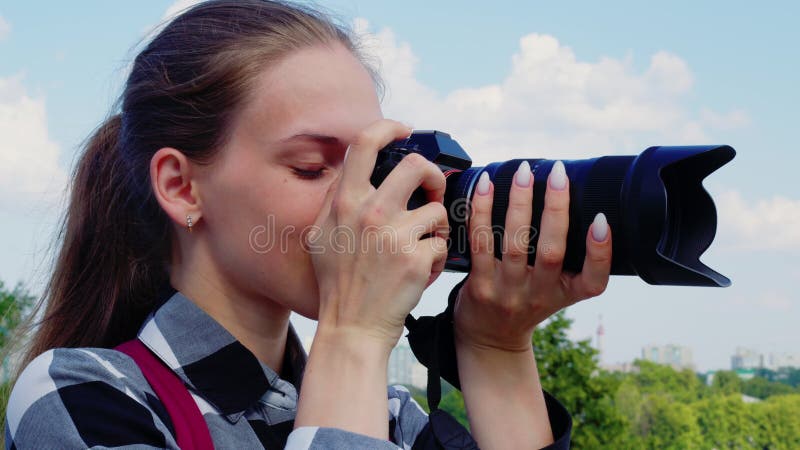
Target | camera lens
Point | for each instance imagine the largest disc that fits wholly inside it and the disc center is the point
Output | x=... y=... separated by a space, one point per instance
x=661 y=217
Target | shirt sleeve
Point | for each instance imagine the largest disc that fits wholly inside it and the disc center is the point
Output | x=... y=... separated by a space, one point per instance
x=560 y=423
x=410 y=429
x=406 y=419
x=80 y=398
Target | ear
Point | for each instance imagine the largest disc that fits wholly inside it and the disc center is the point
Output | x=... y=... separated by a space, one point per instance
x=172 y=179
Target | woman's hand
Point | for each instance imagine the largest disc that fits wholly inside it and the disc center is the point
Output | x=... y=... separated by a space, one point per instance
x=370 y=262
x=502 y=301
x=371 y=268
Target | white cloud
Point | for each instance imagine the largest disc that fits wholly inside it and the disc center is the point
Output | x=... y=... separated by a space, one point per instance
x=551 y=104
x=5 y=28
x=736 y=118
x=28 y=157
x=762 y=224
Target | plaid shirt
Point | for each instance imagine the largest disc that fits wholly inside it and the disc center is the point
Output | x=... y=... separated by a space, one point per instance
x=97 y=397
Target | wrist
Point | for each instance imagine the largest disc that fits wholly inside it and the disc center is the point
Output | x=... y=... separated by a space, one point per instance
x=511 y=345
x=344 y=369
x=352 y=343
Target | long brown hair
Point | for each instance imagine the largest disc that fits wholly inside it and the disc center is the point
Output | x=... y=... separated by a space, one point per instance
x=183 y=91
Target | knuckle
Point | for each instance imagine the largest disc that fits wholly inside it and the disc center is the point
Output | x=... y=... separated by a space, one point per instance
x=556 y=206
x=372 y=215
x=480 y=207
x=482 y=293
x=439 y=211
x=515 y=256
x=551 y=254
x=595 y=289
x=520 y=202
x=601 y=258
x=415 y=160
x=366 y=138
x=342 y=204
x=481 y=239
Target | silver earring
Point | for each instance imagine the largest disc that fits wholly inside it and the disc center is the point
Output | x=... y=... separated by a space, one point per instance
x=189 y=223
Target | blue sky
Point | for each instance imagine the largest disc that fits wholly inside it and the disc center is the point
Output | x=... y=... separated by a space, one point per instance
x=560 y=80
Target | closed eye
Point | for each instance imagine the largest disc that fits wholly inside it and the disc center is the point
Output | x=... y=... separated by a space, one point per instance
x=307 y=174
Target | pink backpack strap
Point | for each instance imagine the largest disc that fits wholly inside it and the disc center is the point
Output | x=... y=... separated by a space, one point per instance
x=191 y=430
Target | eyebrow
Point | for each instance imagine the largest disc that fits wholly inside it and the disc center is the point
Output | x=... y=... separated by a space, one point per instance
x=321 y=138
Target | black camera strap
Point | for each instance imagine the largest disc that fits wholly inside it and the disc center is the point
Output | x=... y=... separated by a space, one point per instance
x=432 y=340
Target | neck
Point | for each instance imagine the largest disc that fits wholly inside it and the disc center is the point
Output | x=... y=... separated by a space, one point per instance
x=260 y=324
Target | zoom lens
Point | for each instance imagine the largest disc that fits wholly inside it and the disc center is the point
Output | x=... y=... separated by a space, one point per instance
x=661 y=217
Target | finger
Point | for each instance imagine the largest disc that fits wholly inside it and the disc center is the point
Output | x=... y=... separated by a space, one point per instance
x=593 y=279
x=362 y=153
x=516 y=237
x=552 y=242
x=313 y=233
x=327 y=202
x=435 y=250
x=412 y=172
x=428 y=219
x=481 y=236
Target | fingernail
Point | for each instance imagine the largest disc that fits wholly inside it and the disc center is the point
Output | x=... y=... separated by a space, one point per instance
x=483 y=183
x=600 y=227
x=523 y=175
x=558 y=176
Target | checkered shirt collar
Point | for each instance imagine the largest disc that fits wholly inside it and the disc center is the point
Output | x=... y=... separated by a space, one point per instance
x=208 y=358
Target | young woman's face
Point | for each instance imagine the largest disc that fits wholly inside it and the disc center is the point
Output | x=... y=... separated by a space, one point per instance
x=268 y=185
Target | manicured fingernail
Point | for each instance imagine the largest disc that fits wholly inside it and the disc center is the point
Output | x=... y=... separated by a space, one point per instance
x=558 y=176
x=523 y=175
x=600 y=227
x=483 y=183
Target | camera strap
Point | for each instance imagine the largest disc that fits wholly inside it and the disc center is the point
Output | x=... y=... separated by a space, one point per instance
x=433 y=342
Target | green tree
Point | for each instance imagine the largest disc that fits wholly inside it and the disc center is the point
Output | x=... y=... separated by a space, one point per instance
x=15 y=304
x=668 y=425
x=569 y=371
x=776 y=422
x=726 y=382
x=652 y=378
x=453 y=403
x=788 y=375
x=726 y=421
x=762 y=388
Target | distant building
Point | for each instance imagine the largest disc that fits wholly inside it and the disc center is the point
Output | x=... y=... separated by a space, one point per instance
x=746 y=358
x=625 y=367
x=677 y=356
x=405 y=369
x=743 y=374
x=776 y=361
x=403 y=366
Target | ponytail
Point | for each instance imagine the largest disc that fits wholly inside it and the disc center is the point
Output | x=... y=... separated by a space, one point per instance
x=106 y=277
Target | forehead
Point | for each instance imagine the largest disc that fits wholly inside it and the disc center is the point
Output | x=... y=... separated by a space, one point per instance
x=322 y=89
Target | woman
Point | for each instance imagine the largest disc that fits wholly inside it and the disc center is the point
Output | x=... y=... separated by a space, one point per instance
x=245 y=117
